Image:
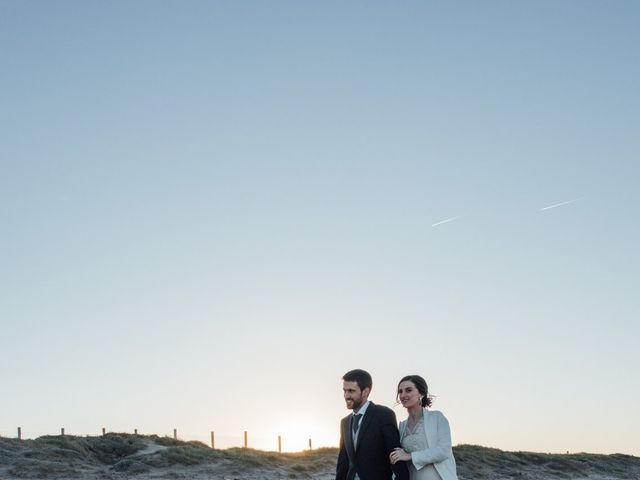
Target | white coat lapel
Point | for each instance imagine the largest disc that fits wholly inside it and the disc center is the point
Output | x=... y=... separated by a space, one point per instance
x=430 y=428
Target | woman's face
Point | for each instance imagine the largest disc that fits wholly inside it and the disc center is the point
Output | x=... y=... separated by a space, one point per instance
x=409 y=395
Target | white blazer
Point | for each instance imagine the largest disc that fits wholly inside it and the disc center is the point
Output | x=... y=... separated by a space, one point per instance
x=439 y=452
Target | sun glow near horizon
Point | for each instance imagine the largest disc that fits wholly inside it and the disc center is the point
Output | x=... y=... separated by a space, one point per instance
x=293 y=438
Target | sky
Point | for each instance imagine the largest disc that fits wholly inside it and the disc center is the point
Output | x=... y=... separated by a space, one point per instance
x=210 y=211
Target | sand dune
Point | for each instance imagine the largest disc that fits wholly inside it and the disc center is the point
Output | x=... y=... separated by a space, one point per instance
x=120 y=456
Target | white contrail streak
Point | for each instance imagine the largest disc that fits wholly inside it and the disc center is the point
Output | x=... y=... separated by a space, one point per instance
x=444 y=221
x=560 y=204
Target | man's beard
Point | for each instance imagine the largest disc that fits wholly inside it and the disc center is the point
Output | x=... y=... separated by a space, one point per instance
x=357 y=404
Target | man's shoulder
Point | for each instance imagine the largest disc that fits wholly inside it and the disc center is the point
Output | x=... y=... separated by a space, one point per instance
x=381 y=410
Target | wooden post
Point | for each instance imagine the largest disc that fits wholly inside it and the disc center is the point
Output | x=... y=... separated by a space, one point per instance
x=19 y=433
x=213 y=440
x=135 y=431
x=62 y=431
x=279 y=444
x=246 y=442
x=310 y=445
x=175 y=433
x=104 y=431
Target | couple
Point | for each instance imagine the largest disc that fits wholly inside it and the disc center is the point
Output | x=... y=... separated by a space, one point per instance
x=372 y=448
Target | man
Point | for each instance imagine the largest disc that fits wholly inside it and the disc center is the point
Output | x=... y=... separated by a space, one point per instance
x=368 y=435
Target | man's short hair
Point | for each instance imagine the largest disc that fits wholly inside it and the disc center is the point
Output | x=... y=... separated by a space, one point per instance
x=362 y=378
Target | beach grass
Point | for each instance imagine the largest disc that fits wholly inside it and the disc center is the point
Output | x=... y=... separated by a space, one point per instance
x=121 y=455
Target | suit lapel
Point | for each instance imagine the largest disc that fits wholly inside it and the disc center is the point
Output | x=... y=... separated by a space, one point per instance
x=348 y=438
x=364 y=423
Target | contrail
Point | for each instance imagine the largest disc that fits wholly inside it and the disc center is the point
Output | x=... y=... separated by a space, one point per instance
x=444 y=221
x=560 y=204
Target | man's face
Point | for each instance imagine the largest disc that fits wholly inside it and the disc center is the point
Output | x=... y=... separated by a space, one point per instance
x=353 y=396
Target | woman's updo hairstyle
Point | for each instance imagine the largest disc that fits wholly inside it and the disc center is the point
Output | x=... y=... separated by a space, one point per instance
x=421 y=385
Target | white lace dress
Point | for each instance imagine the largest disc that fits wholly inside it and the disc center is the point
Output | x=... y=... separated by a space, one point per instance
x=413 y=441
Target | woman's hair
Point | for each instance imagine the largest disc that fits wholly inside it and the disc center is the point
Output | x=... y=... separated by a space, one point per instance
x=421 y=385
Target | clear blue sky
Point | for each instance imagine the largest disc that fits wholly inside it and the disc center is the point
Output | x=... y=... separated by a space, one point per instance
x=211 y=210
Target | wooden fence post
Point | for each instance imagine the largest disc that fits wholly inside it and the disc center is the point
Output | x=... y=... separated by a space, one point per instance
x=19 y=433
x=62 y=431
x=213 y=440
x=310 y=445
x=279 y=444
x=175 y=433
x=246 y=442
x=135 y=431
x=104 y=431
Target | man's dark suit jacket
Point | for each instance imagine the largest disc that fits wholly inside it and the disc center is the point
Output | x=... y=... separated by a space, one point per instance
x=377 y=437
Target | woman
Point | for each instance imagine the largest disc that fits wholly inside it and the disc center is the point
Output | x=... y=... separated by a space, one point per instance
x=424 y=435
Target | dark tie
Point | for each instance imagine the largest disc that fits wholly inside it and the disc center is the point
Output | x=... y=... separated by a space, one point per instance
x=356 y=423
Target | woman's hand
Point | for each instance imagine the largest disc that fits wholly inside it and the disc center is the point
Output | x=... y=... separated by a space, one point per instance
x=399 y=455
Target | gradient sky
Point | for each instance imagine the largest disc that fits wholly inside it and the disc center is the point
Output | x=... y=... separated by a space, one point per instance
x=211 y=210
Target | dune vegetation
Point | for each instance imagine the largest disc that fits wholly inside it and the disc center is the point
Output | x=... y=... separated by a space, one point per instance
x=119 y=456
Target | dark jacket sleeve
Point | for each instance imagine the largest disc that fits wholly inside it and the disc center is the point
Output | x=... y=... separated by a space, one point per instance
x=391 y=441
x=342 y=469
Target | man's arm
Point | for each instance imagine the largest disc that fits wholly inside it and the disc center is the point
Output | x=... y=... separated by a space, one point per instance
x=392 y=440
x=342 y=468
